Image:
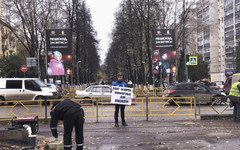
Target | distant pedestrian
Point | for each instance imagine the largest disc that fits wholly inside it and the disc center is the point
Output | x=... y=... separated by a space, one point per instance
x=119 y=82
x=72 y=114
x=234 y=96
x=130 y=84
x=102 y=82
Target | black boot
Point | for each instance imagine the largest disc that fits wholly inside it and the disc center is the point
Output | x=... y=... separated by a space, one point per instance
x=124 y=124
x=116 y=125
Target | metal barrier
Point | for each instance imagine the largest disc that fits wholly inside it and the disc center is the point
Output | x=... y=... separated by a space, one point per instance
x=183 y=106
x=213 y=107
x=98 y=108
x=9 y=110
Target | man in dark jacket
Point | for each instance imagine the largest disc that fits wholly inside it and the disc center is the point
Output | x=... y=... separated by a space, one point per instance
x=119 y=83
x=72 y=114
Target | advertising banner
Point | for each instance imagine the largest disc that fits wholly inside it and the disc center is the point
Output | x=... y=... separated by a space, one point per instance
x=164 y=54
x=121 y=95
x=59 y=50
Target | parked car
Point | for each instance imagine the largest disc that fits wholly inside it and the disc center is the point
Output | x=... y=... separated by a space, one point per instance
x=197 y=90
x=24 y=89
x=58 y=94
x=229 y=81
x=218 y=85
x=94 y=91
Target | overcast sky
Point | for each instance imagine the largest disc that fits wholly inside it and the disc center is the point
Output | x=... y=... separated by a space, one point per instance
x=103 y=20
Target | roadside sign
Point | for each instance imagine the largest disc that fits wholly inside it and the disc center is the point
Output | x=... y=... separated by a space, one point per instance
x=24 y=68
x=193 y=60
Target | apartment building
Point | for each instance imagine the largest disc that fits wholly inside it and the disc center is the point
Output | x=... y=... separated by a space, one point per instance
x=210 y=36
x=8 y=45
x=231 y=30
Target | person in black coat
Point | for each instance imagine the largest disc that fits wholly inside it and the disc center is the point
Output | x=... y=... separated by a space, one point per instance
x=72 y=115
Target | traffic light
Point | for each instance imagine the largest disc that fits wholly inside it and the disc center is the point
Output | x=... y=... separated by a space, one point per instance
x=187 y=60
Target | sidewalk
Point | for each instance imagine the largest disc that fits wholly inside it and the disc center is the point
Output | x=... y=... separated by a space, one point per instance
x=168 y=133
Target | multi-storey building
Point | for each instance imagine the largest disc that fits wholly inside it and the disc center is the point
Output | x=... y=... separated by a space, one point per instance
x=231 y=30
x=210 y=39
x=7 y=38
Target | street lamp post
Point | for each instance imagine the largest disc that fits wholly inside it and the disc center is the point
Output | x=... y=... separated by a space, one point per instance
x=77 y=72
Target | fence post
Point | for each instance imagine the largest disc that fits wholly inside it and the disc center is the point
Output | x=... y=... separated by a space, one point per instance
x=96 y=110
x=147 y=108
x=195 y=109
x=45 y=101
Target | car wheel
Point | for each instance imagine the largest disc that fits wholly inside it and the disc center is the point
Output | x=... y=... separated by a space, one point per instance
x=10 y=103
x=176 y=100
x=2 y=100
x=217 y=100
x=40 y=98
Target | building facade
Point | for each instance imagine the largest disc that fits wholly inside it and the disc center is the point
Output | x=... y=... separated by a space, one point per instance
x=210 y=36
x=231 y=30
x=8 y=42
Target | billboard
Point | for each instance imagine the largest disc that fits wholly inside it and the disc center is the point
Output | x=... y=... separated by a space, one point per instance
x=164 y=44
x=59 y=51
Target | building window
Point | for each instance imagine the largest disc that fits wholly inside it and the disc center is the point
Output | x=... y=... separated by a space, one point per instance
x=229 y=34
x=229 y=44
x=229 y=23
x=237 y=20
x=238 y=7
x=228 y=3
x=229 y=55
x=228 y=11
x=229 y=66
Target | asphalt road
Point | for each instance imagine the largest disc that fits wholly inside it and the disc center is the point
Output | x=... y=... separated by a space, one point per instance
x=157 y=134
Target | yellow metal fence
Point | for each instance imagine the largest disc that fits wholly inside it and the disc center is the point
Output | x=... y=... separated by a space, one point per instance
x=99 y=108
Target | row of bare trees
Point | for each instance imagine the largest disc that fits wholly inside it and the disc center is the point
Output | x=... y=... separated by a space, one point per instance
x=28 y=19
x=130 y=51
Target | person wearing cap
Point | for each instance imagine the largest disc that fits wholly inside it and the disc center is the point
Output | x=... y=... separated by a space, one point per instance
x=234 y=96
x=72 y=115
x=119 y=82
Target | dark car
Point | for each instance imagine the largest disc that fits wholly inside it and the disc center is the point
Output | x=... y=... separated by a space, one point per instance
x=58 y=94
x=197 y=90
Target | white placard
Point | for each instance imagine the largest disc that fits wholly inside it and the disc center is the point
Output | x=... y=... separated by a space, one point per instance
x=121 y=95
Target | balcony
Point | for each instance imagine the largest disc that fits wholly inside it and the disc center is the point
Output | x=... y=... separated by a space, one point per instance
x=229 y=38
x=228 y=16
x=229 y=28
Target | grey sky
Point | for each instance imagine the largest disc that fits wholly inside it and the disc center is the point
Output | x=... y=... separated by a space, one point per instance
x=103 y=20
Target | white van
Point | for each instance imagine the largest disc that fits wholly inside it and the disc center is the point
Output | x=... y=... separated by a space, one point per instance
x=24 y=89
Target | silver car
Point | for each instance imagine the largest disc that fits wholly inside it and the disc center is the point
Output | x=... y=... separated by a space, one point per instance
x=95 y=91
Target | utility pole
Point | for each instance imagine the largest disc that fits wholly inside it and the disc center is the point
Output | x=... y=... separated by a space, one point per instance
x=183 y=41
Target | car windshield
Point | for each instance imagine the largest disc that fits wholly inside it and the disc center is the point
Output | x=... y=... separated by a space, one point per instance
x=40 y=83
x=219 y=83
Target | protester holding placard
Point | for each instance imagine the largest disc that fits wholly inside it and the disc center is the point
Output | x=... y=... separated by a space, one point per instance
x=119 y=83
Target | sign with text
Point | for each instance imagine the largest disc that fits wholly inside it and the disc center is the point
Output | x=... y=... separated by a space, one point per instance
x=121 y=95
x=164 y=39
